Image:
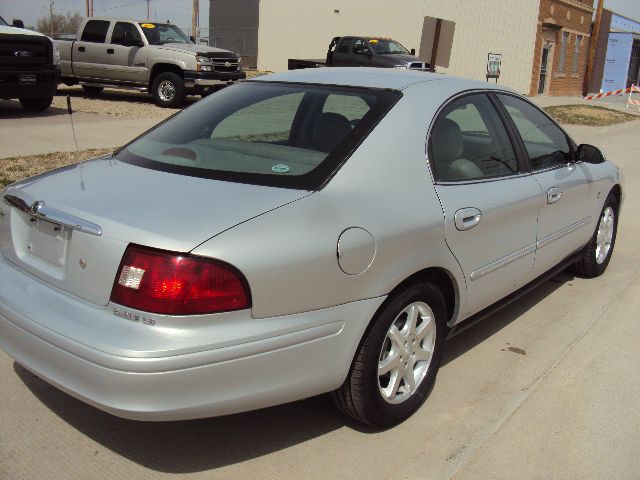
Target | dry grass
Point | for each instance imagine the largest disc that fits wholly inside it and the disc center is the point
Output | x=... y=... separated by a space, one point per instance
x=18 y=168
x=588 y=115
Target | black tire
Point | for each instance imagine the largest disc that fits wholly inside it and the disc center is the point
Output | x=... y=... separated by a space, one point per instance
x=36 y=104
x=163 y=85
x=91 y=90
x=359 y=396
x=588 y=265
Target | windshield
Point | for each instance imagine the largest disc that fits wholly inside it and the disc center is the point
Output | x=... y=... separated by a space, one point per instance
x=2 y=22
x=161 y=33
x=383 y=46
x=275 y=134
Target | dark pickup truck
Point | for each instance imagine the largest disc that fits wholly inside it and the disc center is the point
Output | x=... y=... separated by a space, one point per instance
x=364 y=52
x=29 y=66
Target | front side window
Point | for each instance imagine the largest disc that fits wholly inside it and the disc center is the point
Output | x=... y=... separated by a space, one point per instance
x=546 y=144
x=264 y=133
x=122 y=30
x=360 y=46
x=95 y=31
x=161 y=33
x=469 y=142
x=383 y=46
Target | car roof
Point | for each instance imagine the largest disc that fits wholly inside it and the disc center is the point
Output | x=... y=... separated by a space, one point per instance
x=384 y=78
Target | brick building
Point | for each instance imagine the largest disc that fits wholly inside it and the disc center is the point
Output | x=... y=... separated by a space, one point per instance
x=561 y=48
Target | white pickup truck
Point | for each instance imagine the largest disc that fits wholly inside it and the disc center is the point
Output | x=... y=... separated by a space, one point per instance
x=153 y=57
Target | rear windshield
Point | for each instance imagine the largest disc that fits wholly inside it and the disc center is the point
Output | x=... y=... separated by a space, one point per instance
x=276 y=134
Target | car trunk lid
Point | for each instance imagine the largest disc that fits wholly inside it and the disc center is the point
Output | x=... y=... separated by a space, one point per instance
x=70 y=227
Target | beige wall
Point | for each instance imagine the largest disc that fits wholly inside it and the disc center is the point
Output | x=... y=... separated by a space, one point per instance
x=303 y=29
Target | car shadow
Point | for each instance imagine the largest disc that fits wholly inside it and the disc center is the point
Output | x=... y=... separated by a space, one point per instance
x=199 y=445
x=477 y=333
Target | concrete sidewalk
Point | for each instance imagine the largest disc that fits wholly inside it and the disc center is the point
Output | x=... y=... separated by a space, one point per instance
x=23 y=133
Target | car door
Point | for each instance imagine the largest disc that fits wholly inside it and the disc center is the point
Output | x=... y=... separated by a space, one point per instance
x=88 y=57
x=362 y=54
x=565 y=221
x=490 y=203
x=126 y=58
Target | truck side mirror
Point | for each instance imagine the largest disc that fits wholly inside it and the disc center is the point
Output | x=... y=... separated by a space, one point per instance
x=413 y=52
x=192 y=38
x=17 y=23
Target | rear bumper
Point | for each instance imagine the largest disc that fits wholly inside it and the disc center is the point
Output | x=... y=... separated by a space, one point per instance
x=209 y=366
x=45 y=85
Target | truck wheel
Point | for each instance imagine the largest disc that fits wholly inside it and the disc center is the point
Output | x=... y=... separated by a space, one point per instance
x=36 y=104
x=91 y=90
x=168 y=90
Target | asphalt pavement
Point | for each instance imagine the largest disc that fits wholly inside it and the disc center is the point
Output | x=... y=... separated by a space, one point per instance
x=547 y=388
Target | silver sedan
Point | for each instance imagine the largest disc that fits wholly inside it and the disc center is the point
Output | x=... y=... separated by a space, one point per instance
x=306 y=232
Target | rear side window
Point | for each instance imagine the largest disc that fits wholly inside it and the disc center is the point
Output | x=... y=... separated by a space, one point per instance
x=546 y=144
x=286 y=135
x=95 y=31
x=469 y=142
x=345 y=45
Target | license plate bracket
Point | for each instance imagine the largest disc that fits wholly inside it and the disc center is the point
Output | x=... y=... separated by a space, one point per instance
x=48 y=241
x=28 y=78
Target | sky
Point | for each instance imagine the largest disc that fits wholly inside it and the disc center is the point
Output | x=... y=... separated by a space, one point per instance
x=179 y=11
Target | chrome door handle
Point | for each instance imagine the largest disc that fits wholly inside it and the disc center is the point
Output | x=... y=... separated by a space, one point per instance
x=553 y=195
x=467 y=218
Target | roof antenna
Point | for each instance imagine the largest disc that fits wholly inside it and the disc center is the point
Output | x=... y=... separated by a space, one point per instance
x=73 y=129
x=75 y=140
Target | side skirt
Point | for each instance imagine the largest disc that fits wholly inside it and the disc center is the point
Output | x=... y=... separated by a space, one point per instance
x=512 y=297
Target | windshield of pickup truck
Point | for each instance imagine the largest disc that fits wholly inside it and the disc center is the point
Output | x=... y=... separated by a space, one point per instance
x=3 y=23
x=161 y=33
x=263 y=133
x=383 y=47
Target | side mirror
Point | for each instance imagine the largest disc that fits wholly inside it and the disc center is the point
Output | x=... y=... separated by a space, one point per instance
x=413 y=52
x=192 y=38
x=589 y=154
x=17 y=23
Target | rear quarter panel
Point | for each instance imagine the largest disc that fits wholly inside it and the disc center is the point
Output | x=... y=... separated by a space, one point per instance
x=289 y=255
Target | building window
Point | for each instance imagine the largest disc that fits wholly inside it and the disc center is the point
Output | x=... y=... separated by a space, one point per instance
x=563 y=51
x=576 y=55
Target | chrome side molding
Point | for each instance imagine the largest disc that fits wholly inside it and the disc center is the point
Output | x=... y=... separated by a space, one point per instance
x=38 y=209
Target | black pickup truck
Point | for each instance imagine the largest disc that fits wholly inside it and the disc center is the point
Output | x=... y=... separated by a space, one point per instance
x=29 y=66
x=364 y=52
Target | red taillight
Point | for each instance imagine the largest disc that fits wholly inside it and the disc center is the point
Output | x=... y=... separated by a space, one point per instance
x=170 y=283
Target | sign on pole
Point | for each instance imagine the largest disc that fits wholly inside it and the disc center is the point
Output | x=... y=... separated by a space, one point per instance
x=494 y=60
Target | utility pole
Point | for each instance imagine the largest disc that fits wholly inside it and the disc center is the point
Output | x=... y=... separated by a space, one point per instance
x=51 y=17
x=87 y=7
x=195 y=19
x=148 y=10
x=595 y=30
